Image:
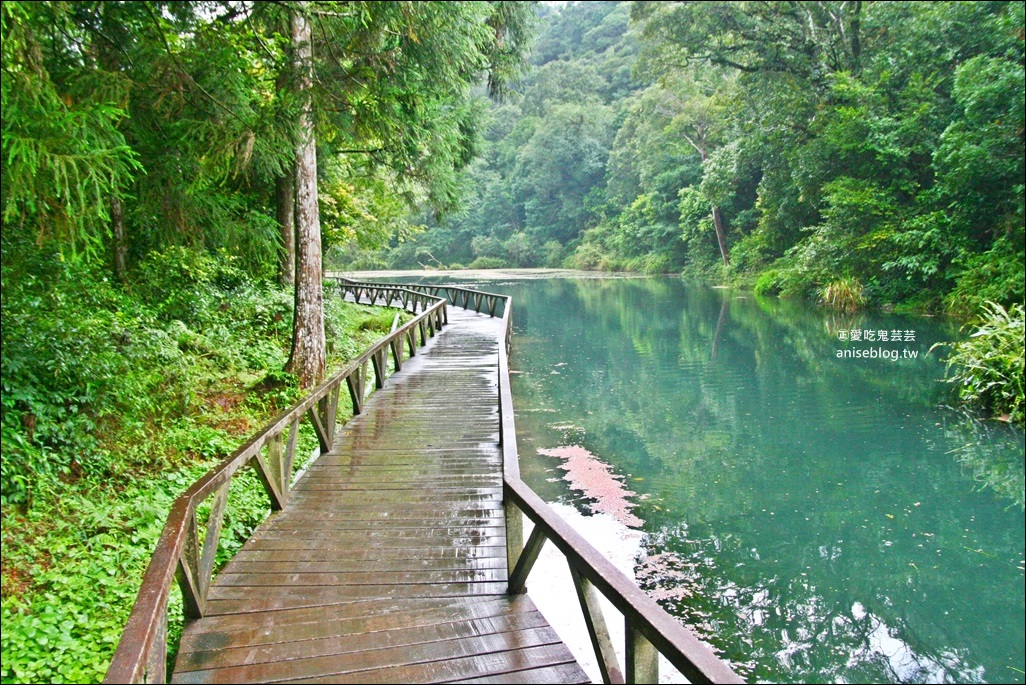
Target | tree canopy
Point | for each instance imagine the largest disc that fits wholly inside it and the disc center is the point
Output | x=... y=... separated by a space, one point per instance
x=787 y=145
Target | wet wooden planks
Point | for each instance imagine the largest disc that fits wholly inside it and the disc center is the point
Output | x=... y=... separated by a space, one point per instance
x=388 y=565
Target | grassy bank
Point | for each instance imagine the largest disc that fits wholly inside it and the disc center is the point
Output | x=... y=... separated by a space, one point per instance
x=115 y=398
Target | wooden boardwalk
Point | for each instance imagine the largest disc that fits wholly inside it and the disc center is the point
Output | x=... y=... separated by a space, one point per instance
x=389 y=562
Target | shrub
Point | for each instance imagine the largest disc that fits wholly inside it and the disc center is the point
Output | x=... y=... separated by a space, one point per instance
x=768 y=283
x=846 y=294
x=587 y=257
x=77 y=358
x=552 y=254
x=988 y=367
x=997 y=275
x=488 y=263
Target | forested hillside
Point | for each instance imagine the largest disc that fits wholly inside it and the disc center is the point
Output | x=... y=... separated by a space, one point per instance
x=859 y=152
x=167 y=170
x=173 y=174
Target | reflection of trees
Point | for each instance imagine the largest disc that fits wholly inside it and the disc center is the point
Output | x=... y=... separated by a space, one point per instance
x=783 y=626
x=809 y=485
x=981 y=450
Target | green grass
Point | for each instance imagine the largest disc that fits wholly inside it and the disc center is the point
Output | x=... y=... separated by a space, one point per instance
x=114 y=402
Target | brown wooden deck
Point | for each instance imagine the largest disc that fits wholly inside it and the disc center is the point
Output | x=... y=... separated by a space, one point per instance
x=389 y=562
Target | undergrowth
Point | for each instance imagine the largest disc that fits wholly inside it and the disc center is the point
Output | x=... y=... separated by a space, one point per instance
x=988 y=368
x=115 y=399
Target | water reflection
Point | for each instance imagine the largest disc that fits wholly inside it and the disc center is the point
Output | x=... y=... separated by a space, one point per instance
x=814 y=518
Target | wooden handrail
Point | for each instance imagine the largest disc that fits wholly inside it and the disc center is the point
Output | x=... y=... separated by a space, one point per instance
x=184 y=554
x=180 y=554
x=649 y=630
x=477 y=300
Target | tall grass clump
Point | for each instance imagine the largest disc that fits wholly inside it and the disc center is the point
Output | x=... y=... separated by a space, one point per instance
x=846 y=295
x=988 y=368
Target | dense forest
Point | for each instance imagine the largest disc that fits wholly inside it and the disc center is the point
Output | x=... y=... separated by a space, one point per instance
x=872 y=152
x=856 y=154
x=173 y=172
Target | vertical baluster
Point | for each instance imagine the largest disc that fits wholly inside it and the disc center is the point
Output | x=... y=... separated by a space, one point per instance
x=411 y=341
x=322 y=415
x=355 y=384
x=269 y=469
x=187 y=573
x=514 y=535
x=397 y=354
x=521 y=563
x=641 y=657
x=213 y=537
x=380 y=367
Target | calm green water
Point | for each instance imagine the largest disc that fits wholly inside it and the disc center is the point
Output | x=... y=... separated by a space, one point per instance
x=815 y=519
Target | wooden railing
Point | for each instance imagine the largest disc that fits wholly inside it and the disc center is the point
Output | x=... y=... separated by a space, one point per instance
x=467 y=298
x=181 y=553
x=187 y=548
x=649 y=630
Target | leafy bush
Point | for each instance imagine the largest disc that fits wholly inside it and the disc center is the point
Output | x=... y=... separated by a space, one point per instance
x=77 y=357
x=84 y=361
x=768 y=283
x=988 y=367
x=552 y=254
x=114 y=401
x=488 y=263
x=587 y=256
x=998 y=275
x=188 y=285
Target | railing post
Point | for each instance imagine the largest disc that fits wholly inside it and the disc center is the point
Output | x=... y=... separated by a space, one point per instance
x=514 y=534
x=156 y=659
x=641 y=657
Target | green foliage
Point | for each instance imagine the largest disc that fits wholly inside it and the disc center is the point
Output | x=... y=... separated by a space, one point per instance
x=998 y=275
x=552 y=254
x=988 y=368
x=768 y=283
x=113 y=402
x=488 y=263
x=84 y=554
x=846 y=295
x=63 y=156
x=77 y=355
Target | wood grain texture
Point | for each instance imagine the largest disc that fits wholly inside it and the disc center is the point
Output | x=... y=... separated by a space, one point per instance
x=389 y=562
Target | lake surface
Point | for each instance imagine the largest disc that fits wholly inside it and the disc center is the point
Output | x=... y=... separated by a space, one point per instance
x=815 y=518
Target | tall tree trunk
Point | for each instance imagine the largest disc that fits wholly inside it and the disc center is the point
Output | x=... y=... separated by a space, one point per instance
x=721 y=234
x=286 y=192
x=699 y=143
x=117 y=220
x=308 y=347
